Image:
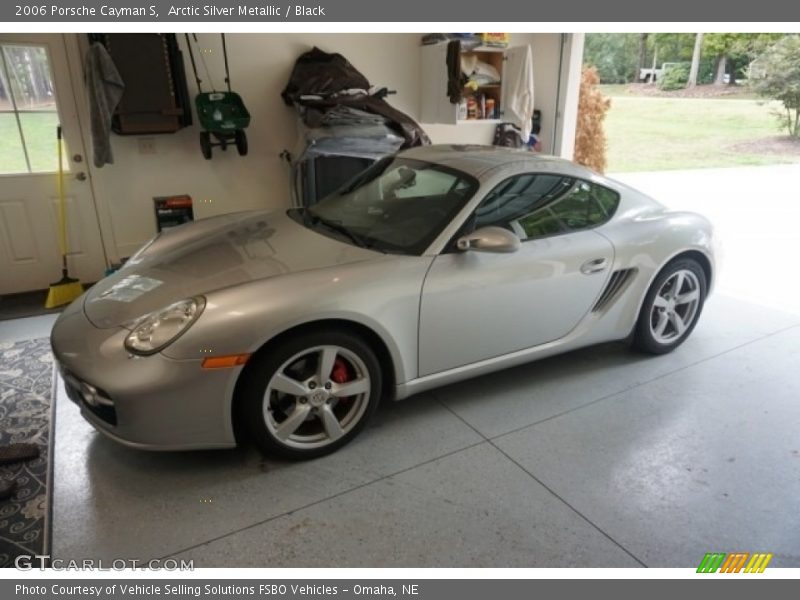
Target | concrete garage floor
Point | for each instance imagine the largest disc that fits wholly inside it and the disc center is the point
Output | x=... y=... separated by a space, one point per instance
x=596 y=458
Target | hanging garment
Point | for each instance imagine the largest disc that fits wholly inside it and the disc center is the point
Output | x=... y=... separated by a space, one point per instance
x=518 y=75
x=104 y=86
x=455 y=78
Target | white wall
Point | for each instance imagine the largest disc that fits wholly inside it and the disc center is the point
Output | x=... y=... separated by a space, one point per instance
x=260 y=65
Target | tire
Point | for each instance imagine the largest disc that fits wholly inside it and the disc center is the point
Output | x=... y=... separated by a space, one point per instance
x=668 y=316
x=205 y=144
x=241 y=142
x=291 y=412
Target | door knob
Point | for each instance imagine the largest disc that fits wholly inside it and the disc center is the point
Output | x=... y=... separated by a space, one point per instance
x=80 y=176
x=593 y=266
x=77 y=158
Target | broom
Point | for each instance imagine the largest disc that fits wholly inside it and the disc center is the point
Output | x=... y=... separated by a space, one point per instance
x=68 y=288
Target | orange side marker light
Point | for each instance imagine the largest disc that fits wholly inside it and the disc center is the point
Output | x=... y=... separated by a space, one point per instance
x=225 y=362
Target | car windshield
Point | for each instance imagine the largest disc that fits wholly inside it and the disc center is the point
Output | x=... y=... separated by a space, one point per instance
x=397 y=205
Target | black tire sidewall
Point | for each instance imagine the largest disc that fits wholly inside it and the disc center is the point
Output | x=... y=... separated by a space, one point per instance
x=241 y=142
x=205 y=144
x=266 y=362
x=643 y=337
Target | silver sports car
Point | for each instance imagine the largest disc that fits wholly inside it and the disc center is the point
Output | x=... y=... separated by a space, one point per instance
x=434 y=265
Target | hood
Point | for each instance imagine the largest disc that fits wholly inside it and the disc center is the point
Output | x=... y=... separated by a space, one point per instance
x=212 y=254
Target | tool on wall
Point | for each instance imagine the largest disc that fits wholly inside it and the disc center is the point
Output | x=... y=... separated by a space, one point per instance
x=67 y=288
x=222 y=115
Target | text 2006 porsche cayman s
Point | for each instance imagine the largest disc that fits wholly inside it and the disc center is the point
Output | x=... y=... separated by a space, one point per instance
x=434 y=265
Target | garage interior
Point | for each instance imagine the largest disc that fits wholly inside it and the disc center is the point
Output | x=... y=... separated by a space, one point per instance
x=596 y=458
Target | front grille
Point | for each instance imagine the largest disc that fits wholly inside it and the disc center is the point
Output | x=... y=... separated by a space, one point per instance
x=619 y=279
x=81 y=393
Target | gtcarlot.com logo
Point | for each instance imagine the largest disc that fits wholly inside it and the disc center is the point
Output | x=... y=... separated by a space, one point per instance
x=26 y=562
x=737 y=562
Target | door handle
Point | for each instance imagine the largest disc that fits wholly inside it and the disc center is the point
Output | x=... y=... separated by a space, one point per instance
x=594 y=265
x=80 y=176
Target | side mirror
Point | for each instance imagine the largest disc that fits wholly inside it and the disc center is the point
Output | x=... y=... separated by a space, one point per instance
x=489 y=239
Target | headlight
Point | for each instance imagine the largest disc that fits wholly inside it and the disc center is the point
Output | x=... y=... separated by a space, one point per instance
x=159 y=329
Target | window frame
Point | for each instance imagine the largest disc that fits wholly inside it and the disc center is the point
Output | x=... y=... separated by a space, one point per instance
x=468 y=226
x=17 y=112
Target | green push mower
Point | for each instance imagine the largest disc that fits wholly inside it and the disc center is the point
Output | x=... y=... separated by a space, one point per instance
x=223 y=115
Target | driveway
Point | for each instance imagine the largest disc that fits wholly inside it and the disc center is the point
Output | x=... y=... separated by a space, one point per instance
x=756 y=213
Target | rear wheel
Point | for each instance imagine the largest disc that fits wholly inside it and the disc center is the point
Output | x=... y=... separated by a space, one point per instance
x=311 y=394
x=205 y=144
x=671 y=307
x=241 y=142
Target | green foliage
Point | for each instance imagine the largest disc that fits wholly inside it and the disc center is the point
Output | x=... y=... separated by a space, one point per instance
x=675 y=77
x=614 y=55
x=672 y=47
x=722 y=44
x=706 y=72
x=781 y=80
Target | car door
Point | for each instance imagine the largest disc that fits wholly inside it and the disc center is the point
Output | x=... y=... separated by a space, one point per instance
x=478 y=305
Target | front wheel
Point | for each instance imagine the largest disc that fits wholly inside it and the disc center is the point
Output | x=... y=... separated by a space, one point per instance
x=671 y=307
x=312 y=394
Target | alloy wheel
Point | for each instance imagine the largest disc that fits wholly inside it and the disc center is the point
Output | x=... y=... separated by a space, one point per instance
x=675 y=306
x=316 y=397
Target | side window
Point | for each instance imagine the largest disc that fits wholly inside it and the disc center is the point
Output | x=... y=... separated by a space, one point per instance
x=540 y=205
x=513 y=205
x=578 y=209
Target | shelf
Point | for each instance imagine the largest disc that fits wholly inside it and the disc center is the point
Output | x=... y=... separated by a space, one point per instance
x=495 y=121
x=484 y=49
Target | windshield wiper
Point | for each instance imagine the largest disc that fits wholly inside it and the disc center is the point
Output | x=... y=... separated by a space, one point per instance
x=311 y=219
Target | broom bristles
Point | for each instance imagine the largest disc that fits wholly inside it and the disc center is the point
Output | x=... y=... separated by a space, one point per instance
x=63 y=292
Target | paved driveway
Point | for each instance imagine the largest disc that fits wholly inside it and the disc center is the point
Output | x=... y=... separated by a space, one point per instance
x=756 y=212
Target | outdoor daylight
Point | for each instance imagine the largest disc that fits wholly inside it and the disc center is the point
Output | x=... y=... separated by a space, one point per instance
x=703 y=120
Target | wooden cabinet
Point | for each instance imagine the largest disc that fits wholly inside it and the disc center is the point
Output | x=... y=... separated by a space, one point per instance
x=435 y=104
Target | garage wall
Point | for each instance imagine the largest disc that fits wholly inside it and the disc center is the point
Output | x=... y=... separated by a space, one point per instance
x=260 y=65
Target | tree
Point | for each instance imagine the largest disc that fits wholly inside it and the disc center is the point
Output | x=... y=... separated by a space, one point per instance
x=695 y=68
x=590 y=136
x=781 y=79
x=614 y=55
x=640 y=63
x=733 y=51
x=720 y=46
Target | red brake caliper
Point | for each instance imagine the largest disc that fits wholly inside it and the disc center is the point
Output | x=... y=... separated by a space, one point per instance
x=341 y=374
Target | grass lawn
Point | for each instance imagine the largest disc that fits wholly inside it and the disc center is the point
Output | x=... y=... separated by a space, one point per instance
x=655 y=133
x=741 y=92
x=40 y=140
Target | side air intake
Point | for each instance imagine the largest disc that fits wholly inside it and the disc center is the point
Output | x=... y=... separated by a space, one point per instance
x=619 y=279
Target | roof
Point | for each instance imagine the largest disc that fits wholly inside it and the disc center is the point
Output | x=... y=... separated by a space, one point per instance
x=478 y=160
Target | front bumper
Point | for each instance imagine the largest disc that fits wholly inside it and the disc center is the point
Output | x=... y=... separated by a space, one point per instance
x=152 y=402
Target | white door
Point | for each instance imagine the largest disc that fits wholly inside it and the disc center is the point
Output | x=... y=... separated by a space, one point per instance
x=35 y=96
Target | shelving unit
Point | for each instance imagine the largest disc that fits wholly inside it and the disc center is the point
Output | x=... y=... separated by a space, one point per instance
x=435 y=104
